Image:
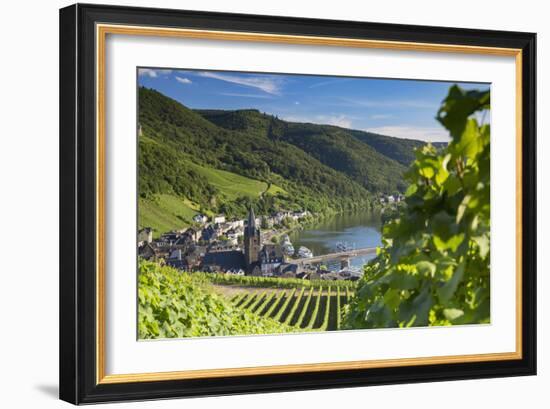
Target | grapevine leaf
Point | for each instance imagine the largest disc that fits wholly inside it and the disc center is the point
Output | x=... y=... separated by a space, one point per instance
x=452 y=313
x=426 y=268
x=483 y=243
x=458 y=106
x=448 y=289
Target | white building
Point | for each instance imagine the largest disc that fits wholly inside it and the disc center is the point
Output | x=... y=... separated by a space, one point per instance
x=236 y=224
x=200 y=218
x=219 y=218
x=299 y=215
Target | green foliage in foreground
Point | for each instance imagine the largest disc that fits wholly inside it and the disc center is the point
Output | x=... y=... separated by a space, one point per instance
x=272 y=282
x=433 y=268
x=172 y=304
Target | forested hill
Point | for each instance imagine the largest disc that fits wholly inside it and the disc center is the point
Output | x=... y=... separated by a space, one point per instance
x=400 y=150
x=224 y=161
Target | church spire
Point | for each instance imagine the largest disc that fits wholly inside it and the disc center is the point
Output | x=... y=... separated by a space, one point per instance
x=252 y=241
x=251 y=219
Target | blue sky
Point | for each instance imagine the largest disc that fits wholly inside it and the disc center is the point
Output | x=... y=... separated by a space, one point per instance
x=399 y=108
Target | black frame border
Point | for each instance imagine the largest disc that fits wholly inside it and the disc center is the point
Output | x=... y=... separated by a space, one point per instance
x=78 y=197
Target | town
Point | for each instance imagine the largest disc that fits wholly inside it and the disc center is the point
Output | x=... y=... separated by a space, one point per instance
x=257 y=246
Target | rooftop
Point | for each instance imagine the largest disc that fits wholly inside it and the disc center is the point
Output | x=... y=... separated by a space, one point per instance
x=225 y=259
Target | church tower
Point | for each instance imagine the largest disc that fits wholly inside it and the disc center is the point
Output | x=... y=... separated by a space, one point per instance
x=251 y=241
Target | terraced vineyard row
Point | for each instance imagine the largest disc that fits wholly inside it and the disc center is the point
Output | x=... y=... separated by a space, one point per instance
x=274 y=282
x=307 y=308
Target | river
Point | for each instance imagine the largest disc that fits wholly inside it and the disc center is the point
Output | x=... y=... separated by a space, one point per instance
x=356 y=230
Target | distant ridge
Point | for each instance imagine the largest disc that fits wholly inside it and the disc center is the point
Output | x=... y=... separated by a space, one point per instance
x=398 y=149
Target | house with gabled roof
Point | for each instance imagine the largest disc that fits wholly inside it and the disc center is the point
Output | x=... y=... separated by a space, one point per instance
x=271 y=257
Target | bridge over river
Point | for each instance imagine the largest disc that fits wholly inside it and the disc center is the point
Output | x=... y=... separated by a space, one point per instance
x=342 y=256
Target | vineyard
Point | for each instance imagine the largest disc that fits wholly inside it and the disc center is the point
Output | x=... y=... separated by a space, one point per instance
x=172 y=304
x=305 y=308
x=273 y=282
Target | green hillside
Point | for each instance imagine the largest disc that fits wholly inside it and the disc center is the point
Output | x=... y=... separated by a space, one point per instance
x=233 y=186
x=400 y=150
x=227 y=161
x=165 y=212
x=335 y=147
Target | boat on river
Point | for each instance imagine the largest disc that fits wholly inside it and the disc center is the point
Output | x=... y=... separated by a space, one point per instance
x=344 y=246
x=288 y=249
x=351 y=273
x=304 y=252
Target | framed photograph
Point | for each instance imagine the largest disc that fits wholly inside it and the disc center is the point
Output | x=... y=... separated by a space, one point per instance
x=258 y=203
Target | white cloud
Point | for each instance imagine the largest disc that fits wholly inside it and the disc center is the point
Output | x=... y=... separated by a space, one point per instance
x=339 y=120
x=183 y=80
x=428 y=134
x=329 y=82
x=146 y=72
x=397 y=103
x=342 y=121
x=268 y=84
x=242 y=95
x=153 y=73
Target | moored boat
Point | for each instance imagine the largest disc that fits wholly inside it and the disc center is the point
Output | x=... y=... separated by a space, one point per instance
x=288 y=249
x=304 y=252
x=344 y=246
